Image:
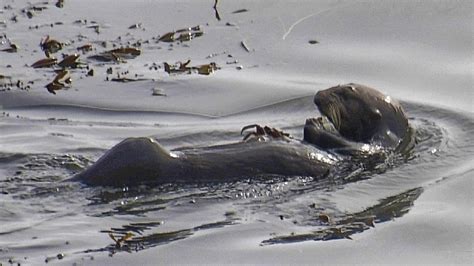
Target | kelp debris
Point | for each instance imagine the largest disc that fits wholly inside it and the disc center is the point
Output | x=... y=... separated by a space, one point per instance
x=85 y=48
x=117 y=55
x=60 y=4
x=13 y=48
x=61 y=81
x=243 y=10
x=182 y=35
x=183 y=68
x=216 y=12
x=245 y=46
x=135 y=26
x=121 y=240
x=125 y=79
x=50 y=46
x=344 y=227
x=128 y=52
x=70 y=61
x=46 y=62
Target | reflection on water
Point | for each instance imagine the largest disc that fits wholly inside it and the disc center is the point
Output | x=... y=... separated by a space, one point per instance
x=138 y=218
x=343 y=227
x=133 y=236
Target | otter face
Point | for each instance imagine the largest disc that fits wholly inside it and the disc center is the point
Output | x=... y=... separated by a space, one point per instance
x=362 y=114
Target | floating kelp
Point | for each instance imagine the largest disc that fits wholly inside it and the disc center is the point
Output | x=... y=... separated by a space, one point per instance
x=245 y=46
x=121 y=240
x=117 y=55
x=243 y=10
x=61 y=81
x=31 y=10
x=12 y=49
x=45 y=25
x=70 y=61
x=135 y=26
x=216 y=12
x=133 y=237
x=85 y=48
x=60 y=4
x=50 y=46
x=95 y=27
x=46 y=62
x=182 y=35
x=126 y=52
x=125 y=79
x=183 y=68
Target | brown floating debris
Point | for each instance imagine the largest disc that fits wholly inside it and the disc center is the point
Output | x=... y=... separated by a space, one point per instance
x=167 y=37
x=218 y=17
x=244 y=45
x=61 y=80
x=46 y=62
x=96 y=28
x=135 y=26
x=50 y=46
x=106 y=57
x=182 y=35
x=62 y=77
x=183 y=68
x=125 y=79
x=52 y=87
x=206 y=69
x=195 y=28
x=12 y=49
x=324 y=218
x=60 y=4
x=85 y=48
x=243 y=10
x=121 y=240
x=126 y=52
x=117 y=55
x=30 y=14
x=70 y=61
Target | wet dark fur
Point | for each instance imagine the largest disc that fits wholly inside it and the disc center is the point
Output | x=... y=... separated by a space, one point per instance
x=356 y=115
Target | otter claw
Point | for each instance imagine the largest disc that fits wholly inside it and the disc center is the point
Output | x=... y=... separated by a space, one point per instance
x=257 y=127
x=261 y=132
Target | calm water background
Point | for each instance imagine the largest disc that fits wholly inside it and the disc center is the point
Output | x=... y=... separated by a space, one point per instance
x=420 y=53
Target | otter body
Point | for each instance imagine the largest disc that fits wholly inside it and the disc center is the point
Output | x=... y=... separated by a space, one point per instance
x=353 y=117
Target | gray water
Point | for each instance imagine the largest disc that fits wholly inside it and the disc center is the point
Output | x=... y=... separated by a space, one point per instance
x=42 y=216
x=416 y=51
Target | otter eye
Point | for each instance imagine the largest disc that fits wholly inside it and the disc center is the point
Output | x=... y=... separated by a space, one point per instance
x=347 y=91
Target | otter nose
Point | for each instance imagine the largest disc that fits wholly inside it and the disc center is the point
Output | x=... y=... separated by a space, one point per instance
x=317 y=98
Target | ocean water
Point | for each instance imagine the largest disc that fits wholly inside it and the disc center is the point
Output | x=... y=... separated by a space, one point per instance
x=419 y=53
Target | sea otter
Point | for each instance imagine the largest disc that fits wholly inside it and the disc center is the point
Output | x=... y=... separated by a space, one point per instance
x=355 y=118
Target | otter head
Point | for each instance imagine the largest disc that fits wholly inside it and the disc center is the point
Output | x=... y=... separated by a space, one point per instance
x=362 y=114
